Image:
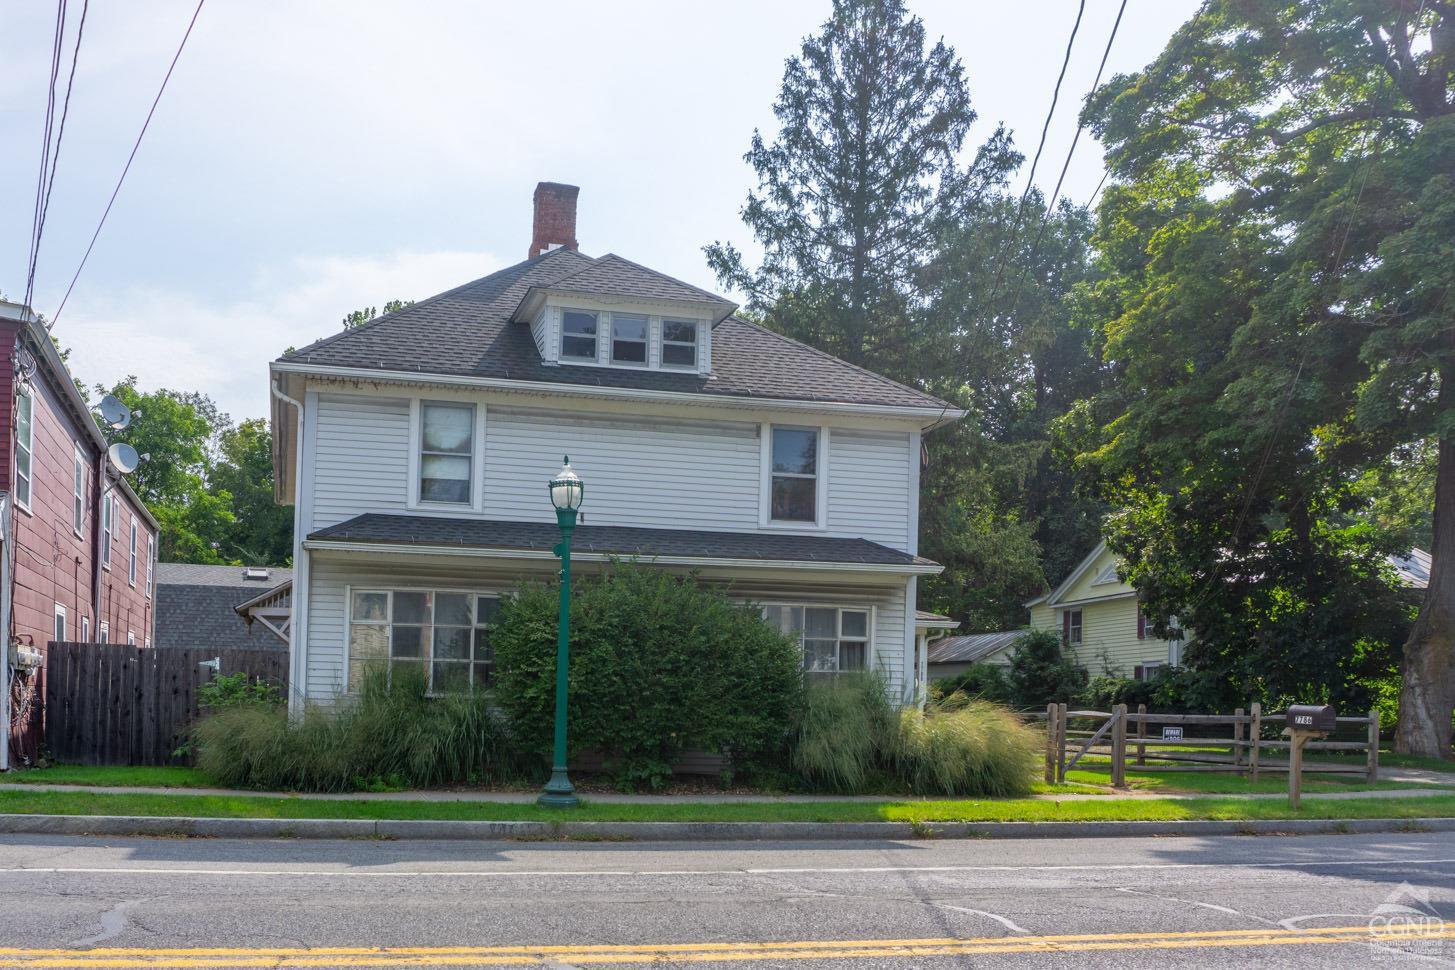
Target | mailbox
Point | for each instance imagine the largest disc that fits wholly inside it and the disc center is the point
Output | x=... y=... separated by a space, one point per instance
x=1312 y=717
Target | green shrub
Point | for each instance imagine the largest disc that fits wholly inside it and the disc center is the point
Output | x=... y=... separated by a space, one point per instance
x=390 y=736
x=1040 y=672
x=850 y=739
x=985 y=681
x=235 y=690
x=659 y=665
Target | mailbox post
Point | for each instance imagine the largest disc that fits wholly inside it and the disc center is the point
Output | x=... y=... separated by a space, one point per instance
x=1304 y=722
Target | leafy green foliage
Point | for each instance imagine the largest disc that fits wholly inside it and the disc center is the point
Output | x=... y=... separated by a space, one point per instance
x=262 y=530
x=982 y=681
x=1041 y=672
x=358 y=318
x=237 y=690
x=391 y=736
x=851 y=739
x=659 y=665
x=1271 y=289
x=1173 y=690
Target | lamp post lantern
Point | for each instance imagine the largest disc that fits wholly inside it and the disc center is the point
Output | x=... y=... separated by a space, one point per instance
x=566 y=490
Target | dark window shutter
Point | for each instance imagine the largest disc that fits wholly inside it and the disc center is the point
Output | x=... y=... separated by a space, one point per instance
x=1066 y=626
x=1138 y=671
x=1141 y=624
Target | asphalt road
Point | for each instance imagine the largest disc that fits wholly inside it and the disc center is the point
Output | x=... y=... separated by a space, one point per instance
x=1334 y=901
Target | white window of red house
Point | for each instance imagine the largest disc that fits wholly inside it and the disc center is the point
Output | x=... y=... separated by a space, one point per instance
x=131 y=567
x=60 y=627
x=78 y=493
x=108 y=518
x=151 y=555
x=85 y=629
x=1071 y=628
x=24 y=445
x=105 y=634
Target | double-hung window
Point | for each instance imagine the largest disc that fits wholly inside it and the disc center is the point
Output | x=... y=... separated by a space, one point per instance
x=24 y=445
x=78 y=494
x=151 y=555
x=628 y=339
x=446 y=452
x=85 y=629
x=794 y=469
x=108 y=518
x=679 y=343
x=60 y=627
x=131 y=565
x=833 y=639
x=578 y=335
x=1071 y=628
x=441 y=635
x=105 y=634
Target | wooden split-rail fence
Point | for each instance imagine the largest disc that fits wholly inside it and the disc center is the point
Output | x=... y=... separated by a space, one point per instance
x=116 y=704
x=1246 y=742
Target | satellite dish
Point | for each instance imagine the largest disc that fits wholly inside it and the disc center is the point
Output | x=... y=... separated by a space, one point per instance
x=123 y=457
x=114 y=413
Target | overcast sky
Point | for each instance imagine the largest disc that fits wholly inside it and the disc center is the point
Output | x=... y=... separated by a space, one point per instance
x=310 y=158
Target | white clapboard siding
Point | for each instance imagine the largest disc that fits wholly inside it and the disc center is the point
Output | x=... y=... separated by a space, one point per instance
x=869 y=486
x=643 y=472
x=362 y=458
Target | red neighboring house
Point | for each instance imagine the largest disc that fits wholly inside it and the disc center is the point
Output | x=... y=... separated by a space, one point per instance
x=76 y=561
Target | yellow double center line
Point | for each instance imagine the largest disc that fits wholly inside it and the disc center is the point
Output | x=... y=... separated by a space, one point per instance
x=493 y=956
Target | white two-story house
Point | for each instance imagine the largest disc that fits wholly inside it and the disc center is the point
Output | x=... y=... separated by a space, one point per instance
x=416 y=449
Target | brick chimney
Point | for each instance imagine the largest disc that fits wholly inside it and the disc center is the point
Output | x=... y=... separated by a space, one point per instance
x=555 y=217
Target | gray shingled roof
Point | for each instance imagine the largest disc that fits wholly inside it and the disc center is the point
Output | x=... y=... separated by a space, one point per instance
x=468 y=331
x=194 y=607
x=611 y=275
x=972 y=647
x=423 y=530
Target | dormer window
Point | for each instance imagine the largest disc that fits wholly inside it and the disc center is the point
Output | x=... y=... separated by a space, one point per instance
x=628 y=339
x=578 y=335
x=679 y=343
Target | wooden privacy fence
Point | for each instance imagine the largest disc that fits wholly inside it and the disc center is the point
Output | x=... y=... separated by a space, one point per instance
x=1234 y=742
x=116 y=704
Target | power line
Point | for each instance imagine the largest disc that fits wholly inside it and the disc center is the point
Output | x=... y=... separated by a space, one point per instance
x=129 y=159
x=56 y=152
x=1065 y=166
x=1031 y=179
x=45 y=146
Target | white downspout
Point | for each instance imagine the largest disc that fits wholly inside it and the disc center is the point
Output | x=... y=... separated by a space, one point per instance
x=297 y=640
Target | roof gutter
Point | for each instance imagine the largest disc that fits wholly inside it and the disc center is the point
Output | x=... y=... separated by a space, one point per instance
x=938 y=415
x=892 y=569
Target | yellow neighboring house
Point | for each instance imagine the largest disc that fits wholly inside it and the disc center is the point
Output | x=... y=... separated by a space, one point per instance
x=1101 y=622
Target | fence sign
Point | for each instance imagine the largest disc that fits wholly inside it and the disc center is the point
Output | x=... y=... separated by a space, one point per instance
x=1171 y=733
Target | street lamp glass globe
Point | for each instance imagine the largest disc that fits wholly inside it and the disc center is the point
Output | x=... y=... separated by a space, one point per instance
x=567 y=488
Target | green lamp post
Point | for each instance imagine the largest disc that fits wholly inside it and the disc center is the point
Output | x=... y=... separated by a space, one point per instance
x=567 y=490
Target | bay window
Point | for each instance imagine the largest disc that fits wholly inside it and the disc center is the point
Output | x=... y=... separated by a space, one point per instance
x=442 y=636
x=679 y=343
x=833 y=639
x=446 y=453
x=578 y=335
x=628 y=339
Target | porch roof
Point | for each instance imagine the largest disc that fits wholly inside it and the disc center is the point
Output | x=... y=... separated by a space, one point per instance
x=537 y=539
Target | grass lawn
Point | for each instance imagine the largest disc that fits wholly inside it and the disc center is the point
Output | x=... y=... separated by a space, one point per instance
x=1218 y=783
x=969 y=810
x=141 y=776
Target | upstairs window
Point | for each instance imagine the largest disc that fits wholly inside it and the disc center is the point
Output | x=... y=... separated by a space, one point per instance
x=60 y=627
x=24 y=445
x=679 y=343
x=1071 y=628
x=628 y=339
x=105 y=634
x=151 y=555
x=446 y=452
x=578 y=335
x=131 y=565
x=78 y=495
x=108 y=517
x=793 y=488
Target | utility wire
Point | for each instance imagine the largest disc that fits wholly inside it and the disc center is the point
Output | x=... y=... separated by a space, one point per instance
x=1065 y=166
x=1031 y=179
x=56 y=152
x=45 y=147
x=129 y=159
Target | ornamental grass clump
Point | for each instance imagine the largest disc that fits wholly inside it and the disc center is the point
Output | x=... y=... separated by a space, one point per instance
x=851 y=739
x=392 y=735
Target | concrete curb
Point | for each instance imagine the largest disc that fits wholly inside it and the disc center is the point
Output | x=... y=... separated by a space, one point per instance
x=319 y=828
